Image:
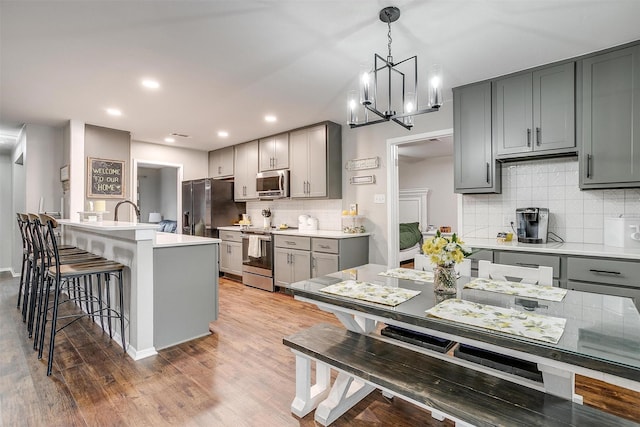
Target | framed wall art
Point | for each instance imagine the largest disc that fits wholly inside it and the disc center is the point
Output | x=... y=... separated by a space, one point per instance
x=105 y=178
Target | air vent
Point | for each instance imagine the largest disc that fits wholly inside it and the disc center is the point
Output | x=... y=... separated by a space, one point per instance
x=181 y=135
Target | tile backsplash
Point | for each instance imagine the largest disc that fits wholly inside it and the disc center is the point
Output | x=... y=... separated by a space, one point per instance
x=285 y=211
x=575 y=216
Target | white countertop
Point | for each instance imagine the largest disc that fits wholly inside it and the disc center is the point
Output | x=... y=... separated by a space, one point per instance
x=584 y=249
x=333 y=234
x=163 y=240
x=108 y=225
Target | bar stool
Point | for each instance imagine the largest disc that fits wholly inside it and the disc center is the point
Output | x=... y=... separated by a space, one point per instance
x=42 y=261
x=59 y=274
x=27 y=252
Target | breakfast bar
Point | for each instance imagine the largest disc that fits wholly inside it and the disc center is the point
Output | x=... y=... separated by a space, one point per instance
x=166 y=273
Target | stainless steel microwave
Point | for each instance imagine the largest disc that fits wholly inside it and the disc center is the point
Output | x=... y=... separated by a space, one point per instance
x=273 y=184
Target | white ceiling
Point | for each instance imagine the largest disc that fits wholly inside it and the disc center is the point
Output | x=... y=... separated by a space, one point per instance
x=223 y=65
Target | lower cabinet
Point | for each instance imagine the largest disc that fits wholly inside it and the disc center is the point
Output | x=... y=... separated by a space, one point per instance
x=604 y=276
x=231 y=252
x=291 y=265
x=299 y=258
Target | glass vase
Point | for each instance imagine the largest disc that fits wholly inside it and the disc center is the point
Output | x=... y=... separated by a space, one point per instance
x=445 y=279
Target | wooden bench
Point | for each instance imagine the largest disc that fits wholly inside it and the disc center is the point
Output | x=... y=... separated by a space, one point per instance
x=466 y=396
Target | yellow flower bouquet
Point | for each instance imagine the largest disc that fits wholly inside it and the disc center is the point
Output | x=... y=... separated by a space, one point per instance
x=445 y=252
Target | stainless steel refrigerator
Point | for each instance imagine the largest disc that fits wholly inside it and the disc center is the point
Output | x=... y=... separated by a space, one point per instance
x=208 y=204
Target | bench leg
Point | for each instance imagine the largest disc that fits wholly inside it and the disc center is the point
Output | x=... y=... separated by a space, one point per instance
x=309 y=395
x=345 y=393
x=559 y=383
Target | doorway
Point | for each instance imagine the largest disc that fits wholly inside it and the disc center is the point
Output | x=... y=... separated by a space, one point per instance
x=394 y=147
x=158 y=187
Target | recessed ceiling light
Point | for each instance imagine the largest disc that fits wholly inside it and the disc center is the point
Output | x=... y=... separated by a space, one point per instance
x=167 y=139
x=114 y=112
x=150 y=84
x=223 y=134
x=269 y=118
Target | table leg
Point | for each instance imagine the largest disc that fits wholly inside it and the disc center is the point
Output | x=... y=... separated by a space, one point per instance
x=559 y=382
x=359 y=324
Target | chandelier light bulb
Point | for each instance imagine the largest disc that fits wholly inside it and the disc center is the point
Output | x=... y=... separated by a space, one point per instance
x=366 y=96
x=435 y=86
x=352 y=106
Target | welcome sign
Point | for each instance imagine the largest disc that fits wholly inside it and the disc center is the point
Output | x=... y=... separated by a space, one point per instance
x=105 y=178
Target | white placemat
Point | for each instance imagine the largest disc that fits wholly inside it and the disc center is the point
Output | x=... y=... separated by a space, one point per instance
x=508 y=320
x=521 y=289
x=371 y=292
x=409 y=274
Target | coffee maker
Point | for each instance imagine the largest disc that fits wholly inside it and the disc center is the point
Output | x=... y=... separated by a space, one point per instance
x=532 y=224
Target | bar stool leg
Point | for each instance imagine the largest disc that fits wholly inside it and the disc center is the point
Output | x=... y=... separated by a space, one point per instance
x=121 y=309
x=107 y=285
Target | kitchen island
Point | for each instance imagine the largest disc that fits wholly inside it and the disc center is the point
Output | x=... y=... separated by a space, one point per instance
x=170 y=282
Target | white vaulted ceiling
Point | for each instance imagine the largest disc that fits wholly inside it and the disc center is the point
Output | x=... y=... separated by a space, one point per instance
x=223 y=65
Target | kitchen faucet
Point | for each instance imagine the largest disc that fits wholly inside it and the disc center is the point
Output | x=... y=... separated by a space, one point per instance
x=115 y=216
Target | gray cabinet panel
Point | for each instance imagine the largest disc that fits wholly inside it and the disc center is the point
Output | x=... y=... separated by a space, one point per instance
x=323 y=264
x=221 y=163
x=534 y=113
x=274 y=152
x=610 y=120
x=554 y=108
x=475 y=169
x=513 y=117
x=246 y=168
x=231 y=257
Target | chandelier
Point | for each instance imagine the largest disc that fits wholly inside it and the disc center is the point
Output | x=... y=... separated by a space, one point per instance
x=393 y=86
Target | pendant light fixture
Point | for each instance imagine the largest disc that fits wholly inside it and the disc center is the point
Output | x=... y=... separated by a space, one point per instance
x=390 y=89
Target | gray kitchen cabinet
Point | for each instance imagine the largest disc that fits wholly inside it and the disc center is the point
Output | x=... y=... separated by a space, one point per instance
x=316 y=162
x=231 y=252
x=604 y=276
x=609 y=124
x=475 y=168
x=274 y=152
x=292 y=259
x=221 y=163
x=245 y=168
x=331 y=255
x=534 y=112
x=530 y=260
x=301 y=257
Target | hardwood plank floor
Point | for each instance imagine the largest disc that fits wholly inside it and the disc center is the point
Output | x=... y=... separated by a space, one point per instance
x=241 y=375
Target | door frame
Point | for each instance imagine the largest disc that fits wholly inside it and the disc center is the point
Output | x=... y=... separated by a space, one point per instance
x=179 y=175
x=393 y=190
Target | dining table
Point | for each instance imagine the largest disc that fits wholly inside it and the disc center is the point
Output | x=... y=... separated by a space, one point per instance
x=595 y=335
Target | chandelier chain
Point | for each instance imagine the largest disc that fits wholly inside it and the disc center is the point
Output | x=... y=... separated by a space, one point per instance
x=389 y=38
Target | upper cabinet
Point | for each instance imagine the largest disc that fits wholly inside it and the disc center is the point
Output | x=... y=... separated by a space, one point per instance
x=534 y=113
x=246 y=168
x=475 y=168
x=274 y=152
x=609 y=126
x=221 y=163
x=316 y=162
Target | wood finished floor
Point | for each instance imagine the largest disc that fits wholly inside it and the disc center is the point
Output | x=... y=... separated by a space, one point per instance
x=241 y=375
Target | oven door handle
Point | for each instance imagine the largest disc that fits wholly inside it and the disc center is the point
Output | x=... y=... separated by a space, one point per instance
x=267 y=238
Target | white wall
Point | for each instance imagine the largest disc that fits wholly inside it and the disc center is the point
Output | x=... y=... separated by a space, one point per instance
x=195 y=163
x=42 y=160
x=576 y=216
x=18 y=196
x=168 y=197
x=436 y=174
x=7 y=216
x=149 y=192
x=370 y=141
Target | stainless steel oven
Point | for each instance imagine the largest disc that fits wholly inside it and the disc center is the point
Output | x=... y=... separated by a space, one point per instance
x=257 y=259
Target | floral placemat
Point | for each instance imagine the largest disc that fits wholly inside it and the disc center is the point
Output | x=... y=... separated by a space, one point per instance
x=409 y=274
x=520 y=289
x=508 y=320
x=371 y=292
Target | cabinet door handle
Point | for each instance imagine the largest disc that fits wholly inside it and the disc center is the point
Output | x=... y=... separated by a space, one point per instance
x=528 y=137
x=588 y=160
x=524 y=264
x=615 y=273
x=538 y=142
x=325 y=246
x=290 y=243
x=288 y=259
x=488 y=172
